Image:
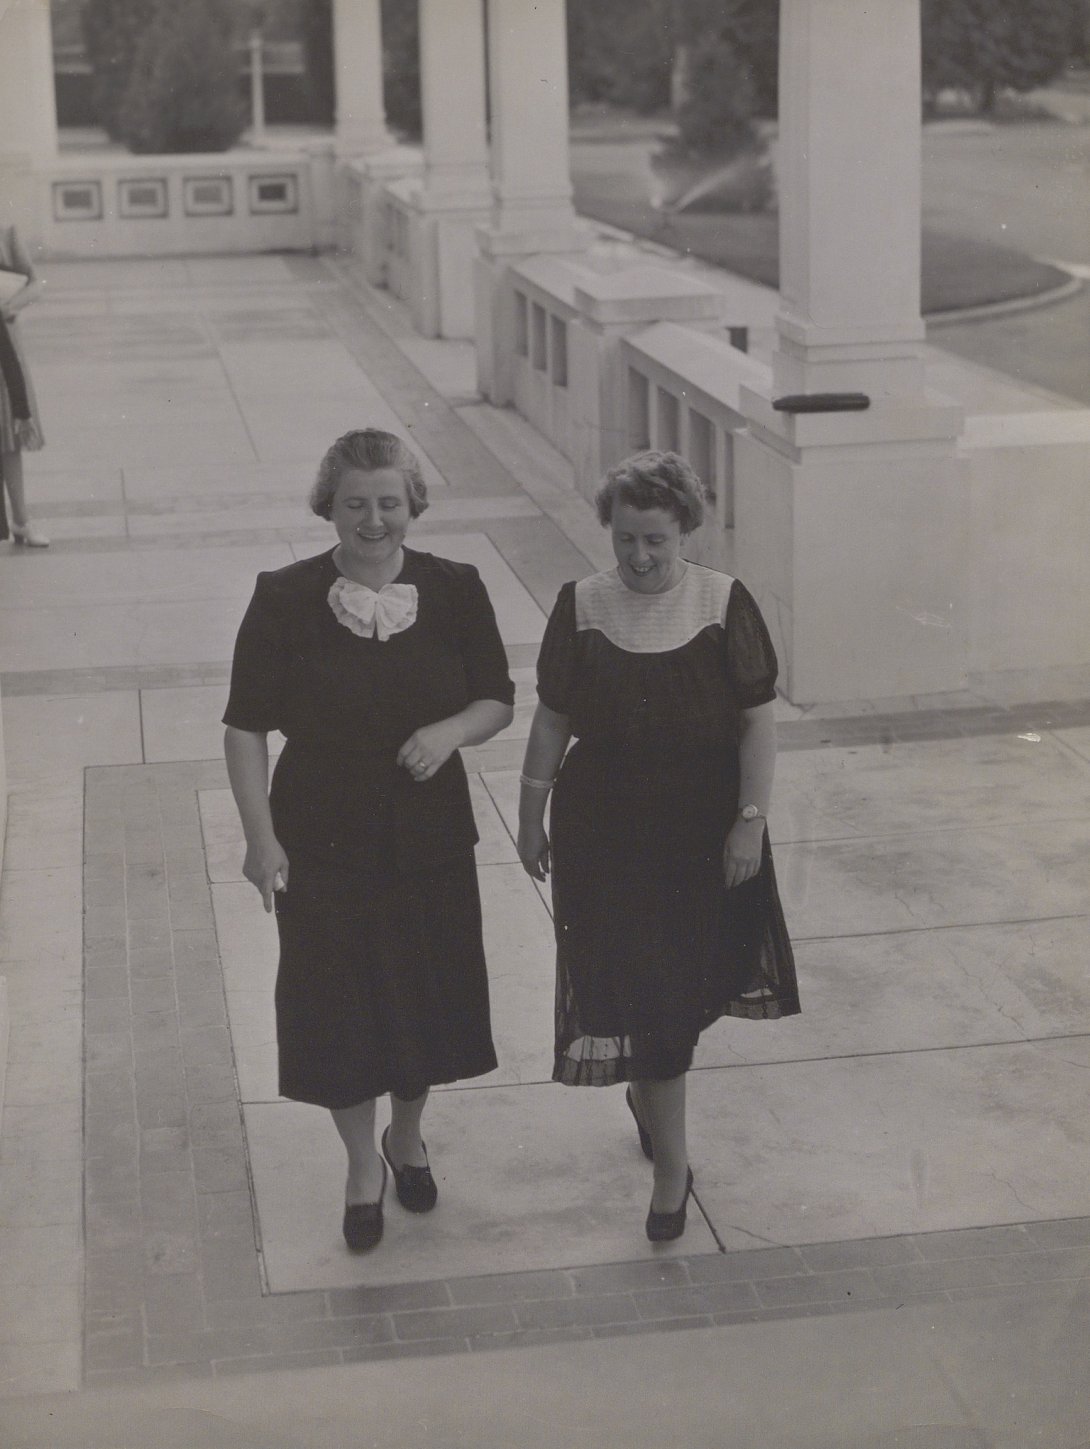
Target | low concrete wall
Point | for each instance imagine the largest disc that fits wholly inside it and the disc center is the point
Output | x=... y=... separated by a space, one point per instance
x=110 y=205
x=1029 y=523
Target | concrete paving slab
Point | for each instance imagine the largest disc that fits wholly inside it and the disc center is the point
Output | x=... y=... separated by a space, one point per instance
x=142 y=577
x=53 y=737
x=916 y=990
x=105 y=635
x=165 y=481
x=49 y=486
x=881 y=789
x=511 y=1196
x=186 y=724
x=881 y=1145
x=934 y=878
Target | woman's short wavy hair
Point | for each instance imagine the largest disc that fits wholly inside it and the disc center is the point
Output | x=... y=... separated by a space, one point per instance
x=654 y=480
x=368 y=449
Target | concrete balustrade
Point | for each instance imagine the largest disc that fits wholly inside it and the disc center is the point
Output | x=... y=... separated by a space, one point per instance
x=613 y=306
x=682 y=395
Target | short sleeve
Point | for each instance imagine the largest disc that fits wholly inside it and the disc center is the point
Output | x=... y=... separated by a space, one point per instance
x=751 y=660
x=556 y=658
x=483 y=654
x=260 y=665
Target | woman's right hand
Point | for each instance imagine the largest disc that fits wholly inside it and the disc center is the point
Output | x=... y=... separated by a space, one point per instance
x=533 y=849
x=266 y=867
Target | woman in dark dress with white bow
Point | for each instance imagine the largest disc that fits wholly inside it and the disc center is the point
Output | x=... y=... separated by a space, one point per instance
x=378 y=663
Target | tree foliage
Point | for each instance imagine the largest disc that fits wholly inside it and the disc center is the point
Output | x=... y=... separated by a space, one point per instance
x=183 y=88
x=621 y=52
x=111 y=34
x=985 y=46
x=401 y=66
x=715 y=116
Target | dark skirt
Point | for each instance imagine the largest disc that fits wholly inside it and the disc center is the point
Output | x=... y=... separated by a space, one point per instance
x=382 y=985
x=651 y=946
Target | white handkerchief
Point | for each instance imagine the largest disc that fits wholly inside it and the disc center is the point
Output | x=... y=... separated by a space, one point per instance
x=370 y=614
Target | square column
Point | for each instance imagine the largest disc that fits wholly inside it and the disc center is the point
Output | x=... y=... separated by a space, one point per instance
x=531 y=175
x=528 y=89
x=454 y=195
x=851 y=528
x=357 y=60
x=849 y=161
x=28 y=109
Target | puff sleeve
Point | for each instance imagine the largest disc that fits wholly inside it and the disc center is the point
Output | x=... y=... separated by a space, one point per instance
x=556 y=658
x=751 y=663
x=260 y=666
x=484 y=657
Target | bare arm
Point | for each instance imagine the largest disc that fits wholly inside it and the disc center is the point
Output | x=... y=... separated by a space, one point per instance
x=756 y=767
x=549 y=737
x=247 y=755
x=428 y=748
x=33 y=289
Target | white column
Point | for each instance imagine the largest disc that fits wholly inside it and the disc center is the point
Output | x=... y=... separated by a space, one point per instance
x=852 y=528
x=849 y=172
x=28 y=104
x=454 y=194
x=452 y=94
x=357 y=58
x=528 y=88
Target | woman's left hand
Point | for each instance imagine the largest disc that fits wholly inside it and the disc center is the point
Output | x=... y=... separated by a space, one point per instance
x=742 y=851
x=427 y=750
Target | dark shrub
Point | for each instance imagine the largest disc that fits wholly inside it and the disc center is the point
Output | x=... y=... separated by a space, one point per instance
x=183 y=90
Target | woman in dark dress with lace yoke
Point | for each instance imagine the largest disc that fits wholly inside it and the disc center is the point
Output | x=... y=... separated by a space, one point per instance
x=666 y=909
x=378 y=663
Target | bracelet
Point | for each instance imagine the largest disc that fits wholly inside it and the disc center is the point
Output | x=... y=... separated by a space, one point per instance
x=535 y=784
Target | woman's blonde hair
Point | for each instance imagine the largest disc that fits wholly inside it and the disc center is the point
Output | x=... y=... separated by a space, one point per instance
x=368 y=449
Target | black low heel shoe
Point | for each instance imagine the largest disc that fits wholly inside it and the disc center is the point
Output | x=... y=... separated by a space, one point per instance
x=665 y=1227
x=363 y=1221
x=645 y=1136
x=416 y=1189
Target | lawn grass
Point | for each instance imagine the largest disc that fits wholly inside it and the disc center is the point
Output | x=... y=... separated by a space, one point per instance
x=957 y=273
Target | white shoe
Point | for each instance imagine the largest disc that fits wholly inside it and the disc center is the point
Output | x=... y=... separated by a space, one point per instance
x=24 y=535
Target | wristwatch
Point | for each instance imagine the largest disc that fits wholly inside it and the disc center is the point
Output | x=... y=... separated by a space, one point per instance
x=750 y=812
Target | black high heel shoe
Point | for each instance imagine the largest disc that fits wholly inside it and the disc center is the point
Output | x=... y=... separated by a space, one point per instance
x=645 y=1136
x=665 y=1227
x=363 y=1221
x=416 y=1189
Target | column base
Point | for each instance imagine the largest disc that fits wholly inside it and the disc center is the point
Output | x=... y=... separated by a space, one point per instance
x=854 y=540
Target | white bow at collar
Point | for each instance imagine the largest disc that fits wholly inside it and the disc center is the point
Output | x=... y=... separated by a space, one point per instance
x=370 y=614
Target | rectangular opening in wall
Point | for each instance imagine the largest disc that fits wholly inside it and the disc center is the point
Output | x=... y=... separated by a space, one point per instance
x=143 y=197
x=725 y=501
x=273 y=194
x=639 y=409
x=559 y=351
x=77 y=201
x=702 y=451
x=207 y=196
x=538 y=339
x=668 y=421
x=522 y=325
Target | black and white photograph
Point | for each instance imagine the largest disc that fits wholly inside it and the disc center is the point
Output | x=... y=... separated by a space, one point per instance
x=544 y=724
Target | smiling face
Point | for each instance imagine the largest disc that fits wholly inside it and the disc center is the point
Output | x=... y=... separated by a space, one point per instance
x=370 y=511
x=647 y=546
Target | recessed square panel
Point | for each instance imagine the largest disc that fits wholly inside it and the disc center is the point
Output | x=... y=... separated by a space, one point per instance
x=144 y=196
x=274 y=194
x=77 y=201
x=207 y=196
